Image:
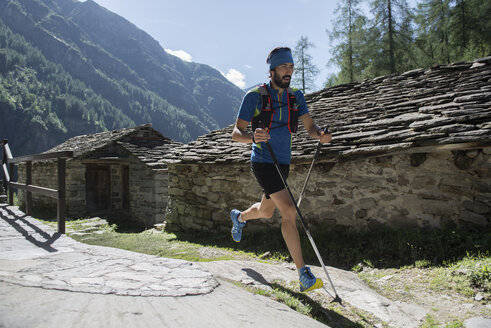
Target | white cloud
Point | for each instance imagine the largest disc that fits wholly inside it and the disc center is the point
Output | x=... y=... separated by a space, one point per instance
x=180 y=54
x=235 y=77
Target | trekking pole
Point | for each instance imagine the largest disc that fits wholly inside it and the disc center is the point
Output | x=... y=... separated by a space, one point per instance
x=275 y=161
x=317 y=151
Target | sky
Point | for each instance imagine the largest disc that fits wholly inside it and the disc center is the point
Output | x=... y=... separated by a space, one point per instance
x=232 y=36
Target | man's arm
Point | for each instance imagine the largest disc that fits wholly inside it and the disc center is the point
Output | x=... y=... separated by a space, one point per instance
x=313 y=130
x=240 y=134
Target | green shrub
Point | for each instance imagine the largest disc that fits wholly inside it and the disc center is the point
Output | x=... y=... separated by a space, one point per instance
x=480 y=277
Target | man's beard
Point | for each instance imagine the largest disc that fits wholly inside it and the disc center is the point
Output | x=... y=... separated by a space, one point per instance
x=278 y=80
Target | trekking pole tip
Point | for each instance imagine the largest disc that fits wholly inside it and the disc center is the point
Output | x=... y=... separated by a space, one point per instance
x=337 y=299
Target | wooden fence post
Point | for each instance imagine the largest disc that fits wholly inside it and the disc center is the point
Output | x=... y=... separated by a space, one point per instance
x=11 y=190
x=28 y=193
x=61 y=195
x=4 y=162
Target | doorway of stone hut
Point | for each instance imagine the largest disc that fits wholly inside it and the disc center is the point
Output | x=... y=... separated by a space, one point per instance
x=107 y=189
x=98 y=188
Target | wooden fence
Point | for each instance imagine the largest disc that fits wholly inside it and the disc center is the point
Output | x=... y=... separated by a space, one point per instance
x=8 y=167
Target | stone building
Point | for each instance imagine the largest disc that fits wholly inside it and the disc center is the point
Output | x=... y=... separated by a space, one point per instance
x=114 y=174
x=408 y=150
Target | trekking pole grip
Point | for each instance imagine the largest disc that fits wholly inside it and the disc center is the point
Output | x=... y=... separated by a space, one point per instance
x=326 y=129
x=319 y=144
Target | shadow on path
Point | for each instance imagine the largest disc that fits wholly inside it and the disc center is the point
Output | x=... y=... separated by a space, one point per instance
x=327 y=316
x=44 y=240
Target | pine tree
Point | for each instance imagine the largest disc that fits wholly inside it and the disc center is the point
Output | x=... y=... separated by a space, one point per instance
x=390 y=37
x=396 y=40
x=470 y=29
x=449 y=33
x=305 y=70
x=460 y=21
x=348 y=27
x=433 y=18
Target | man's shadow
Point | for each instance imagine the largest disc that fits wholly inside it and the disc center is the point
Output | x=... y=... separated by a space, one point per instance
x=256 y=276
x=17 y=223
x=318 y=312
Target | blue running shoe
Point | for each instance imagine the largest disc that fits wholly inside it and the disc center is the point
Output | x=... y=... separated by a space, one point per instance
x=308 y=281
x=237 y=228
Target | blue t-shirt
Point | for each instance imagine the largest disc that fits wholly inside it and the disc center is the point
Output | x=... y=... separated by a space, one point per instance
x=281 y=139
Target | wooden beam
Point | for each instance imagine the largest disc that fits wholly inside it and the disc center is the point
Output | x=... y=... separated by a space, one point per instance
x=103 y=161
x=365 y=153
x=441 y=148
x=39 y=190
x=6 y=151
x=6 y=173
x=38 y=157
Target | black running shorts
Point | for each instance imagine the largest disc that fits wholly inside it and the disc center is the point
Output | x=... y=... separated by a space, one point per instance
x=268 y=177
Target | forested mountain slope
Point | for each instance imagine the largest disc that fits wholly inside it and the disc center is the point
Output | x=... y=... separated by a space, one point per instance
x=69 y=68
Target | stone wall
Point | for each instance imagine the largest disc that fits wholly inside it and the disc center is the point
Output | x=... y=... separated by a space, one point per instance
x=44 y=174
x=201 y=196
x=75 y=188
x=147 y=190
x=148 y=193
x=405 y=190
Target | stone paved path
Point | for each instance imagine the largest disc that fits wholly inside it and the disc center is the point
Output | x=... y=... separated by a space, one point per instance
x=59 y=262
x=50 y=280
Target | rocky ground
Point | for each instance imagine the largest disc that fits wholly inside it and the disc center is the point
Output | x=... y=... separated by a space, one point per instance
x=415 y=297
x=432 y=289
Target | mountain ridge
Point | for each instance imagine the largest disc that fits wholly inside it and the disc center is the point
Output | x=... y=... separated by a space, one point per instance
x=126 y=66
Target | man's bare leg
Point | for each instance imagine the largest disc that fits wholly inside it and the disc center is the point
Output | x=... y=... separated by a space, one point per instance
x=263 y=210
x=289 y=229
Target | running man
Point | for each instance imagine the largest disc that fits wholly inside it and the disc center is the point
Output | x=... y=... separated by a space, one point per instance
x=274 y=110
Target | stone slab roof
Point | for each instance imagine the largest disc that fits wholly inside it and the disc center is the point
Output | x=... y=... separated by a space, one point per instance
x=146 y=143
x=424 y=110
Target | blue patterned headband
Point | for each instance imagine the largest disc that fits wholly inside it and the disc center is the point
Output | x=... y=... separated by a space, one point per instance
x=283 y=55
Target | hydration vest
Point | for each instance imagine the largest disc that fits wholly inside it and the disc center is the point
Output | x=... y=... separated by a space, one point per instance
x=267 y=111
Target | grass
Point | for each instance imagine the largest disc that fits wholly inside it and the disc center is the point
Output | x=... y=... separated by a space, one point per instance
x=396 y=248
x=385 y=248
x=479 y=270
x=464 y=277
x=160 y=244
x=151 y=242
x=280 y=294
x=431 y=322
